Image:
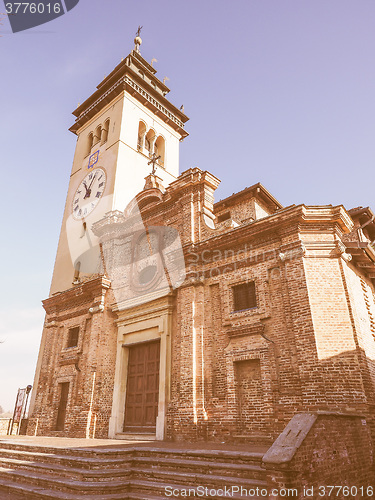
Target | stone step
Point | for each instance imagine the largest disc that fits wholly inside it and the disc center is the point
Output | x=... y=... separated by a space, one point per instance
x=157 y=475
x=90 y=463
x=63 y=471
x=191 y=465
x=155 y=472
x=130 y=450
x=47 y=481
x=140 y=490
x=102 y=459
x=13 y=491
x=164 y=467
x=62 y=466
x=229 y=457
x=127 y=472
x=146 y=489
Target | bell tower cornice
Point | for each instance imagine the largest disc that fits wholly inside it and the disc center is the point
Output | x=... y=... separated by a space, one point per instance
x=135 y=76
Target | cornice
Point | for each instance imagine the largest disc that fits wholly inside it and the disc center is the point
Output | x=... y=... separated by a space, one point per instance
x=246 y=330
x=157 y=103
x=85 y=293
x=154 y=307
x=294 y=219
x=257 y=191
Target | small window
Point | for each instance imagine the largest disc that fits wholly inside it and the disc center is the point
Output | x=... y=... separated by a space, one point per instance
x=244 y=296
x=159 y=149
x=98 y=134
x=149 y=141
x=223 y=217
x=141 y=136
x=77 y=267
x=73 y=337
x=90 y=141
x=105 y=130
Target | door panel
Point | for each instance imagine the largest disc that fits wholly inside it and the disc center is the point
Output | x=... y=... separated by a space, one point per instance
x=142 y=395
x=61 y=412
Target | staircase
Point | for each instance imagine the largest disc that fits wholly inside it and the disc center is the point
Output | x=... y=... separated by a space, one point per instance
x=129 y=472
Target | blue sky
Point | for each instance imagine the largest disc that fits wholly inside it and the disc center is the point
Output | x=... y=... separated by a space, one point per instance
x=277 y=91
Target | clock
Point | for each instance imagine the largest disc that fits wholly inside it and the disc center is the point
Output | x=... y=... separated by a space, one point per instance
x=88 y=193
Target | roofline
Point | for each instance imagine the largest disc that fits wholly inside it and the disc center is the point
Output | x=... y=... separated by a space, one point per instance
x=116 y=81
x=259 y=188
x=360 y=210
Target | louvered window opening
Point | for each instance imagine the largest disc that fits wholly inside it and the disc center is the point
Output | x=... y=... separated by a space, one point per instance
x=244 y=296
x=73 y=337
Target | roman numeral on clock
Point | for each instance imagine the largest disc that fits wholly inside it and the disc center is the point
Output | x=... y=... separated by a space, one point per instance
x=98 y=194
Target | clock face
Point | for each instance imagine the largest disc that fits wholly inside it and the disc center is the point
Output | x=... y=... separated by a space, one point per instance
x=88 y=193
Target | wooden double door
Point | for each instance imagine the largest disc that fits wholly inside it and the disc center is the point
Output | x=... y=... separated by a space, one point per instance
x=142 y=392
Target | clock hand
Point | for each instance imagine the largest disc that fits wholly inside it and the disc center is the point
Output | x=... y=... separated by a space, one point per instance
x=87 y=190
x=92 y=182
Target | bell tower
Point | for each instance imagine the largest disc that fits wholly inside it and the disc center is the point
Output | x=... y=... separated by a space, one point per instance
x=125 y=129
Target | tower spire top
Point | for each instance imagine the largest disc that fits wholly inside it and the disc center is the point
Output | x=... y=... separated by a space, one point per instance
x=138 y=39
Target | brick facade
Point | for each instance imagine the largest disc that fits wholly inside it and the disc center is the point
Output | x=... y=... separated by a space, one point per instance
x=308 y=345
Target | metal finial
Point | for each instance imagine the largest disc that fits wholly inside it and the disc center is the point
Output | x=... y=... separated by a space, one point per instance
x=138 y=39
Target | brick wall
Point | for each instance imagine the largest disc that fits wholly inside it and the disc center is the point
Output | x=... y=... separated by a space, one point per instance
x=308 y=344
x=333 y=450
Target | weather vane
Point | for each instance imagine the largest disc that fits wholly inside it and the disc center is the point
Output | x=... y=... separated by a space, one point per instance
x=138 y=39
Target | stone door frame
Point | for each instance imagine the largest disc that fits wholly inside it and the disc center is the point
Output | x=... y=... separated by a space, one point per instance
x=143 y=323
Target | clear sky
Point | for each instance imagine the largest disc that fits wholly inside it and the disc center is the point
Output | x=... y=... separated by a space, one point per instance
x=278 y=91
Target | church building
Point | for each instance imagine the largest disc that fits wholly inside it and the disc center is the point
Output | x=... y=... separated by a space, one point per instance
x=173 y=316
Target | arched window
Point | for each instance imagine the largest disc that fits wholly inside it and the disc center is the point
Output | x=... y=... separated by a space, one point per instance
x=105 y=130
x=90 y=141
x=141 y=136
x=149 y=141
x=77 y=270
x=98 y=134
x=159 y=149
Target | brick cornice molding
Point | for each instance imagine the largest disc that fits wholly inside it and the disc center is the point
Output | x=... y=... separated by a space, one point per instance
x=286 y=222
x=245 y=330
x=86 y=293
